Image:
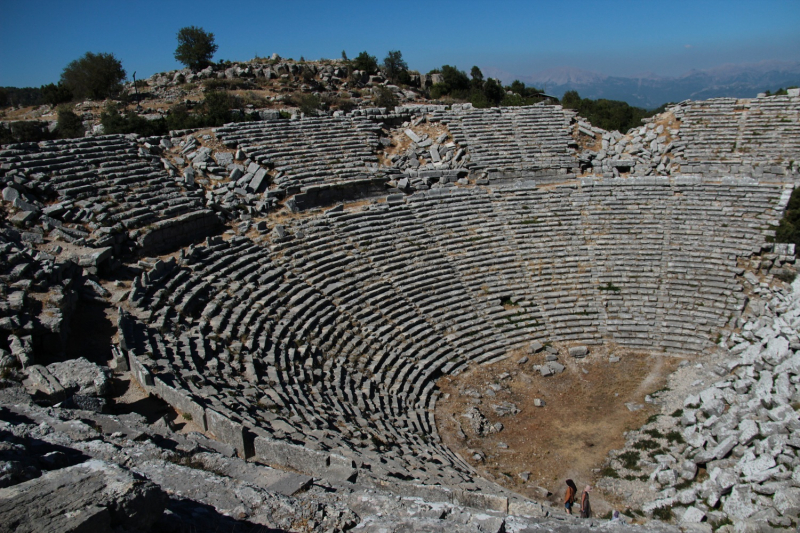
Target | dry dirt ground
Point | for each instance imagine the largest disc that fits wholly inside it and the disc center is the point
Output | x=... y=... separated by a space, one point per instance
x=584 y=417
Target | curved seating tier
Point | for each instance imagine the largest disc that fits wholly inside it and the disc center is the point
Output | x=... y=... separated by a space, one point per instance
x=105 y=186
x=335 y=337
x=757 y=137
x=309 y=151
x=531 y=138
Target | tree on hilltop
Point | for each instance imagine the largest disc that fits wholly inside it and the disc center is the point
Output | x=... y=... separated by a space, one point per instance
x=96 y=76
x=366 y=62
x=196 y=47
x=395 y=67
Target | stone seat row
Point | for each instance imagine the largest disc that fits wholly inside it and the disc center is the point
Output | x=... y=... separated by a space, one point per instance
x=107 y=184
x=421 y=424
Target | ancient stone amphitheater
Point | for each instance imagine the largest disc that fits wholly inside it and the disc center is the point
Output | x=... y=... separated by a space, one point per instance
x=297 y=287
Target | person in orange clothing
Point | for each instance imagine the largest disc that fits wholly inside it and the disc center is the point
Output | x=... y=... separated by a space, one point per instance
x=569 y=498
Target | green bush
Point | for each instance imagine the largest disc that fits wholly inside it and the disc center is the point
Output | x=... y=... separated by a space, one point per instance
x=70 y=125
x=115 y=122
x=25 y=131
x=309 y=104
x=96 y=76
x=196 y=47
x=218 y=106
x=630 y=460
x=384 y=97
x=789 y=227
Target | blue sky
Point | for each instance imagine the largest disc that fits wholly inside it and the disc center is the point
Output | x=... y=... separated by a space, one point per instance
x=615 y=37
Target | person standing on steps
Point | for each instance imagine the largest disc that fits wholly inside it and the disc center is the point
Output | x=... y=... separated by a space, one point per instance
x=569 y=498
x=586 y=508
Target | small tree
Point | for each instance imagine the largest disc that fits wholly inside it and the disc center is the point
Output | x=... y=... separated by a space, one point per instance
x=395 y=68
x=366 y=62
x=96 y=76
x=477 y=78
x=196 y=47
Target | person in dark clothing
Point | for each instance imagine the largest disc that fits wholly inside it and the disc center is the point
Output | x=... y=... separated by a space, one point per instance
x=586 y=508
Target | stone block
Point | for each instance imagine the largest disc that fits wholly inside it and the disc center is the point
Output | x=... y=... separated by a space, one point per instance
x=91 y=496
x=578 y=351
x=228 y=431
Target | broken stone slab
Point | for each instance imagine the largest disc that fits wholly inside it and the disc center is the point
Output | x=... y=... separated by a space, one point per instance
x=92 y=496
x=80 y=376
x=553 y=367
x=43 y=386
x=413 y=136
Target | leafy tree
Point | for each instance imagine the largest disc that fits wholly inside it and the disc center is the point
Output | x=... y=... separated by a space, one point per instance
x=395 y=67
x=3 y=97
x=366 y=62
x=477 y=77
x=96 y=76
x=344 y=55
x=53 y=94
x=70 y=125
x=456 y=80
x=494 y=91
x=571 y=100
x=518 y=87
x=384 y=97
x=196 y=47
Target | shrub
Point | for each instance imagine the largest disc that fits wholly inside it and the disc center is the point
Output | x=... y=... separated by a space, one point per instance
x=663 y=513
x=675 y=437
x=646 y=444
x=179 y=118
x=344 y=104
x=384 y=97
x=96 y=76
x=218 y=106
x=789 y=227
x=196 y=47
x=115 y=122
x=70 y=125
x=54 y=95
x=25 y=131
x=630 y=460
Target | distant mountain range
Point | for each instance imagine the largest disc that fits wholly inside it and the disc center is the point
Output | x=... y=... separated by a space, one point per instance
x=649 y=90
